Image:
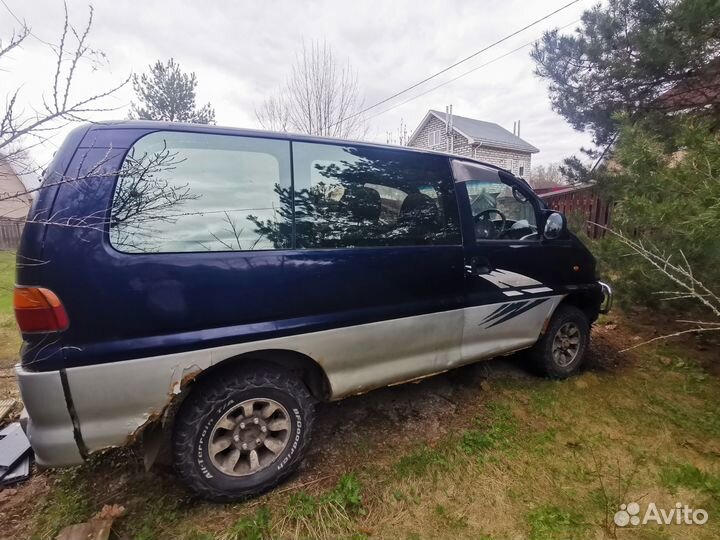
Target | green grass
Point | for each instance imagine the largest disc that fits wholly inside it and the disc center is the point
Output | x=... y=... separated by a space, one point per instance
x=550 y=522
x=687 y=475
x=9 y=334
x=255 y=527
x=71 y=503
x=160 y=511
x=544 y=398
x=421 y=461
x=7 y=281
x=683 y=415
x=497 y=431
x=328 y=515
x=347 y=494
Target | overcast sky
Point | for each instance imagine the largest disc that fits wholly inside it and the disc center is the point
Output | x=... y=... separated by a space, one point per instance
x=242 y=51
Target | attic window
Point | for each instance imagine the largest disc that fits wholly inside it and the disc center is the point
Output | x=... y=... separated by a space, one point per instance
x=434 y=138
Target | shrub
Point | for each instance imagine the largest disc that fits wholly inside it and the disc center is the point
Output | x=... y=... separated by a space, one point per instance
x=666 y=184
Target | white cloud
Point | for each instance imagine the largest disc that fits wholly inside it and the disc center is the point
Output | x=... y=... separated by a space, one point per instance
x=242 y=51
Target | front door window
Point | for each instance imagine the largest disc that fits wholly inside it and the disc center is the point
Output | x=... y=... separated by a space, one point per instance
x=500 y=211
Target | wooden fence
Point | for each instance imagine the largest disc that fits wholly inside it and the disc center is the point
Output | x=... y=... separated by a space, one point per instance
x=10 y=231
x=584 y=202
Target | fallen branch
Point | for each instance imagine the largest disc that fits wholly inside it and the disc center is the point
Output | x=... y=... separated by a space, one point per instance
x=668 y=336
x=682 y=274
x=699 y=322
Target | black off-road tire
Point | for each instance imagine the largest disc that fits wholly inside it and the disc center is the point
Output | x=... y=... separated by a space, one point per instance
x=209 y=401
x=541 y=356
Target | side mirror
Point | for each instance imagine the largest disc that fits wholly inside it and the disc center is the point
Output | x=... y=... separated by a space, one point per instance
x=555 y=226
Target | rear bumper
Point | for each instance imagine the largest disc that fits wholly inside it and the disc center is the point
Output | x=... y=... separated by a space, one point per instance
x=46 y=419
x=607 y=297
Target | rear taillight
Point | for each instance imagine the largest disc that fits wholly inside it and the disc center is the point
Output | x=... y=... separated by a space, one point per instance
x=39 y=310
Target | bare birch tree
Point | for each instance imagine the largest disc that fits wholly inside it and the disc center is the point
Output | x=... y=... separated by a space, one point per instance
x=24 y=126
x=320 y=97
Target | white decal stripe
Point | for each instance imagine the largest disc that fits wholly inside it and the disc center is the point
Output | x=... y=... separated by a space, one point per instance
x=512 y=293
x=538 y=290
x=505 y=279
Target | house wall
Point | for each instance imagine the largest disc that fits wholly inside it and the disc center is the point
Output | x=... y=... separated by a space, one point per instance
x=13 y=210
x=511 y=160
x=12 y=207
x=507 y=159
x=461 y=146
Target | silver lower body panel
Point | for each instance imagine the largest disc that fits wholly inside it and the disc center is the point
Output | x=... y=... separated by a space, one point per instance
x=113 y=401
x=46 y=419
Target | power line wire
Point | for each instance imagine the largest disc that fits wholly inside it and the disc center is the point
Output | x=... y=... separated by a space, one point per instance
x=473 y=55
x=464 y=74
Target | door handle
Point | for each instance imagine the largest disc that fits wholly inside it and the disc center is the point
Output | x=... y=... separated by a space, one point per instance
x=477 y=266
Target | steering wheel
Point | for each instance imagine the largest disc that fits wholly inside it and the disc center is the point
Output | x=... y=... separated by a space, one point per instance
x=484 y=216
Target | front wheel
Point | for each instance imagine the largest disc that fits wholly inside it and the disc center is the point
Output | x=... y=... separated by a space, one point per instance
x=560 y=351
x=240 y=433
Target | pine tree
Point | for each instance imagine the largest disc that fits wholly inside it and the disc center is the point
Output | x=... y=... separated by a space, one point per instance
x=625 y=56
x=166 y=93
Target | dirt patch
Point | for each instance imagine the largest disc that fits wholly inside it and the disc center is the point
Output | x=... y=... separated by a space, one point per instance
x=18 y=505
x=8 y=384
x=701 y=347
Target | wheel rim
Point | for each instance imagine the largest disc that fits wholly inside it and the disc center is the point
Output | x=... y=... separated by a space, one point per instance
x=249 y=437
x=566 y=344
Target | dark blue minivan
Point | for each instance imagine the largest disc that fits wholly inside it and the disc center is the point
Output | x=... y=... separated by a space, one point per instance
x=216 y=283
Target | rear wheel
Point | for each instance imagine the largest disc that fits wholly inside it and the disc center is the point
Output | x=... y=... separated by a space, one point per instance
x=241 y=433
x=560 y=351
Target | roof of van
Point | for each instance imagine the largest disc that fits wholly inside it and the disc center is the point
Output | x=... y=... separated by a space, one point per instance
x=208 y=128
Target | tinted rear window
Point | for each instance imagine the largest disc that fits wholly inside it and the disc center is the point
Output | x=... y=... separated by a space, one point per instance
x=354 y=196
x=196 y=192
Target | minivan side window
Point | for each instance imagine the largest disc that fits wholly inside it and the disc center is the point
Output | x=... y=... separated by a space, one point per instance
x=500 y=211
x=181 y=192
x=355 y=196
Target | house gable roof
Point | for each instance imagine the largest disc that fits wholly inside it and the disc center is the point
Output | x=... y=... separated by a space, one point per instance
x=480 y=132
